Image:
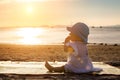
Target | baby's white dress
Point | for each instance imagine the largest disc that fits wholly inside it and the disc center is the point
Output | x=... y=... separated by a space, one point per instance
x=78 y=61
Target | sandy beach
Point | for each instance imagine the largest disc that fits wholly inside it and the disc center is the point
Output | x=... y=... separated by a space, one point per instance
x=97 y=52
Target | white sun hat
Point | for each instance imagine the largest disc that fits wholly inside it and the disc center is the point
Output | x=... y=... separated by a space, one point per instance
x=81 y=30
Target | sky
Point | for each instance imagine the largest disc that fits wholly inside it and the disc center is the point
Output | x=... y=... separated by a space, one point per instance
x=59 y=12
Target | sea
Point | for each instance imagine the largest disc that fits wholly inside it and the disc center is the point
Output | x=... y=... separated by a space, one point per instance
x=55 y=35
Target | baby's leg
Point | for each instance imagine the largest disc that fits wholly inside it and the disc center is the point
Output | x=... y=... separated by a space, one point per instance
x=59 y=69
x=55 y=69
x=48 y=66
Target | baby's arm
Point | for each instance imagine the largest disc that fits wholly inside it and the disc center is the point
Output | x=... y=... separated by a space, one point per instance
x=67 y=39
x=67 y=48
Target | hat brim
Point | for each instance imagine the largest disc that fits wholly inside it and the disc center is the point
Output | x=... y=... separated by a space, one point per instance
x=69 y=29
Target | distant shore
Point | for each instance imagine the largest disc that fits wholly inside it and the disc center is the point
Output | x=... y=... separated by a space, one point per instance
x=97 y=52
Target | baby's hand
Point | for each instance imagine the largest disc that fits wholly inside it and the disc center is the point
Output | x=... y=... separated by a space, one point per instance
x=70 y=49
x=67 y=48
x=67 y=39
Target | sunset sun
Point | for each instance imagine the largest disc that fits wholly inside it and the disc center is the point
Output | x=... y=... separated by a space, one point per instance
x=29 y=9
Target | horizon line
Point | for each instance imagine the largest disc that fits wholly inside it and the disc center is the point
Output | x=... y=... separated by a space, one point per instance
x=62 y=25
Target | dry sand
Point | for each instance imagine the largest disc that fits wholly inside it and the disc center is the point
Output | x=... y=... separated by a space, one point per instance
x=97 y=52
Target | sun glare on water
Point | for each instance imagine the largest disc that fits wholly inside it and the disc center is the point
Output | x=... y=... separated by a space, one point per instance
x=29 y=35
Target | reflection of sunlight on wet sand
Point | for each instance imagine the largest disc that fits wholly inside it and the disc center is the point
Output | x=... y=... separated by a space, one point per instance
x=29 y=35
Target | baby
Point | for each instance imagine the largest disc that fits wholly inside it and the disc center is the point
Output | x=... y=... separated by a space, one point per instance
x=76 y=45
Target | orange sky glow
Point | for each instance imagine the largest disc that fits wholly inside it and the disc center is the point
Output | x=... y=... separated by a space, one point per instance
x=58 y=12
